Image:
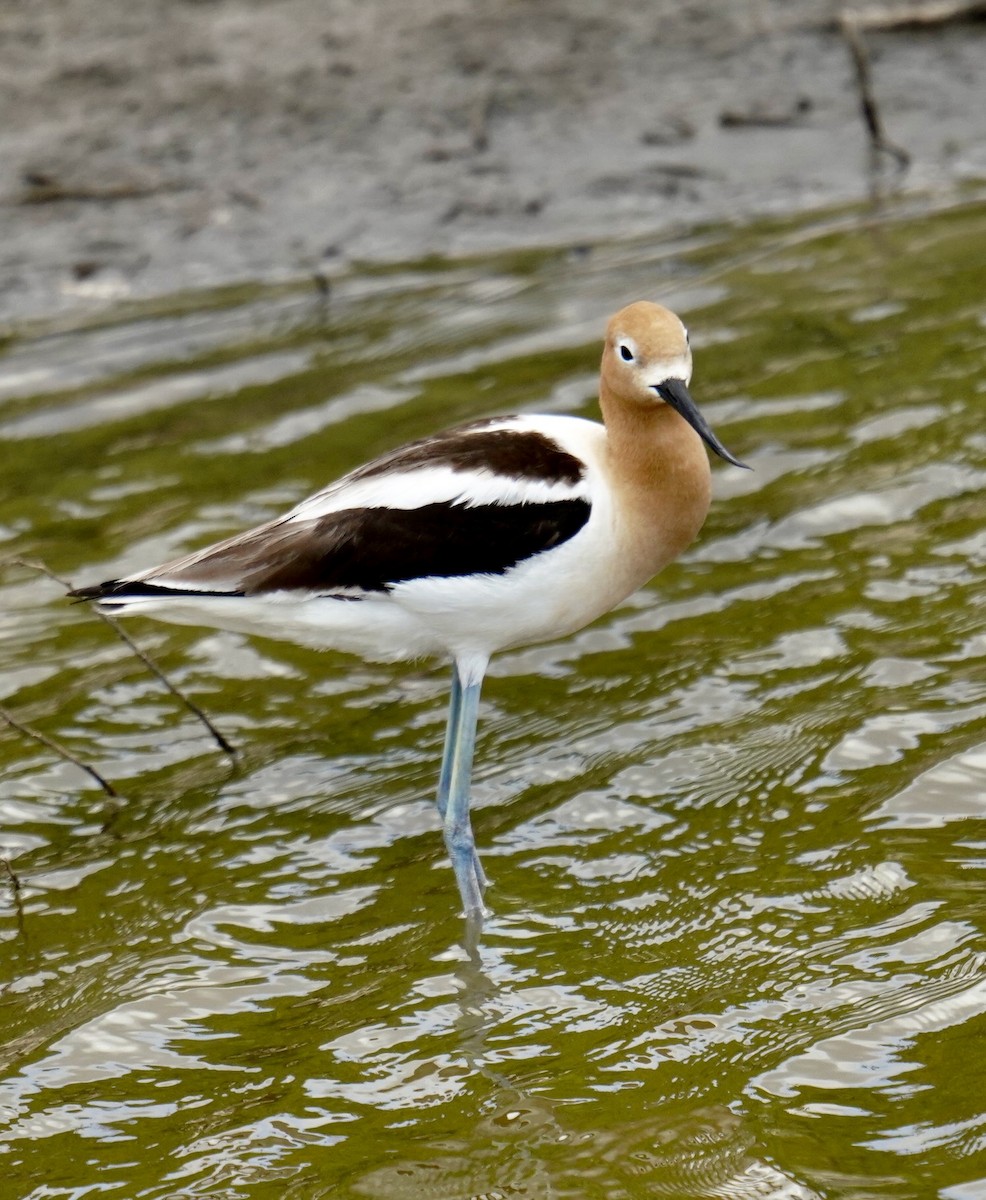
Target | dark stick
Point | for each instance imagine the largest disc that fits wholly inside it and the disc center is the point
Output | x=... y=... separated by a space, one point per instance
x=144 y=657
x=879 y=142
x=59 y=749
x=920 y=16
x=15 y=887
x=15 y=883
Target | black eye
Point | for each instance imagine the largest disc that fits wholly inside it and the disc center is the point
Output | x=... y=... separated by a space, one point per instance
x=626 y=353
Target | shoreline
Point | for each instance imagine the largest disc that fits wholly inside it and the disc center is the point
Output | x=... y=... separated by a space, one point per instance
x=224 y=142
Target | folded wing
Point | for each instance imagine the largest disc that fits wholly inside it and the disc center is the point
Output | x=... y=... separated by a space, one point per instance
x=476 y=500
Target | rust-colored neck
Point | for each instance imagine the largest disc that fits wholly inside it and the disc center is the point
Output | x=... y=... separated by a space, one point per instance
x=659 y=470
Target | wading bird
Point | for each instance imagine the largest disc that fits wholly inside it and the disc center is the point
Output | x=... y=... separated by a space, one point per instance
x=502 y=532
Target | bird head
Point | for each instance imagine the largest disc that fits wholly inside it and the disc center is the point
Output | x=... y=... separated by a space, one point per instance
x=647 y=361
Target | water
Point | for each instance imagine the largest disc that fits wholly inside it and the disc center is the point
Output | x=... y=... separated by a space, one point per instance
x=735 y=829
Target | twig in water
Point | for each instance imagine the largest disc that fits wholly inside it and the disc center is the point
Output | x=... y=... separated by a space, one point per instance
x=15 y=883
x=144 y=657
x=15 y=887
x=60 y=750
x=879 y=142
x=733 y=118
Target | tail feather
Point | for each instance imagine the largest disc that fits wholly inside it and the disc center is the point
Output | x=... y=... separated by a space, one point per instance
x=121 y=590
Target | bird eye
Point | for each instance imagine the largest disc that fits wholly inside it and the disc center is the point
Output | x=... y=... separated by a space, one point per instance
x=625 y=352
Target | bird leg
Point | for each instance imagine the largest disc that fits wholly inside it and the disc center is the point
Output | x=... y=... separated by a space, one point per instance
x=453 y=792
x=445 y=774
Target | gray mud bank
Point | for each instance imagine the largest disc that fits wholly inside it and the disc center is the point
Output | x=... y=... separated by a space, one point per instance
x=168 y=145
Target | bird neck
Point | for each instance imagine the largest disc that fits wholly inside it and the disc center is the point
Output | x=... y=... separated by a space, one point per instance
x=659 y=468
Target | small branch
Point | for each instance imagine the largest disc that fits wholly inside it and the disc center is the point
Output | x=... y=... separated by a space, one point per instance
x=879 y=142
x=733 y=118
x=58 y=749
x=479 y=123
x=15 y=883
x=15 y=887
x=919 y=16
x=41 y=187
x=152 y=666
x=144 y=657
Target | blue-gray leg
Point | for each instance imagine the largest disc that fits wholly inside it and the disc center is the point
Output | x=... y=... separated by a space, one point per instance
x=445 y=775
x=453 y=792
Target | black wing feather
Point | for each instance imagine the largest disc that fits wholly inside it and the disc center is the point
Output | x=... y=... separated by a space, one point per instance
x=366 y=549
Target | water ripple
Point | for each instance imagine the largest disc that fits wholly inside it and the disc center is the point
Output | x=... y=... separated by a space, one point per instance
x=734 y=829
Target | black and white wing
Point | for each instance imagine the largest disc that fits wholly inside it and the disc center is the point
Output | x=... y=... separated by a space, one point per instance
x=475 y=500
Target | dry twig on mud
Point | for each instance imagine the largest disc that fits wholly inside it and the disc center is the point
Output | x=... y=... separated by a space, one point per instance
x=918 y=16
x=42 y=187
x=879 y=142
x=144 y=657
x=733 y=118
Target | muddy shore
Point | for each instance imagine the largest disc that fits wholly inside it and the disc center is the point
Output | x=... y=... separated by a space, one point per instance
x=176 y=144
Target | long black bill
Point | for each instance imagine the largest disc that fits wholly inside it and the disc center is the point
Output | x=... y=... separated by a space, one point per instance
x=677 y=395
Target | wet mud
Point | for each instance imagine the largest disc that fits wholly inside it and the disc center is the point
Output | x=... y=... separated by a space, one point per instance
x=163 y=146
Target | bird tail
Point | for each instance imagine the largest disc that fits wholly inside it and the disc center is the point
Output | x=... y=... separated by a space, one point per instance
x=117 y=593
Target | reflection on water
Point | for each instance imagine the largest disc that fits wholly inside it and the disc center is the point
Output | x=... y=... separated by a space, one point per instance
x=735 y=829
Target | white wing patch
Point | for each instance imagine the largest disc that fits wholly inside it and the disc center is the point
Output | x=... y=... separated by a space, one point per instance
x=419 y=485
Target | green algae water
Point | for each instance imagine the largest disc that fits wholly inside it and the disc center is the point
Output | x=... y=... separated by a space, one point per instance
x=735 y=829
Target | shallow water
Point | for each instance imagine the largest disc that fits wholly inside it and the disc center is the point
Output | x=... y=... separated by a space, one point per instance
x=735 y=828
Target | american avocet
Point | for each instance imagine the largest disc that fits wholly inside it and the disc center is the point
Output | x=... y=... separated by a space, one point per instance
x=494 y=534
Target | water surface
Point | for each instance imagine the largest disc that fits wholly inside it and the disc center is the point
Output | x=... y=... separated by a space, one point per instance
x=735 y=828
